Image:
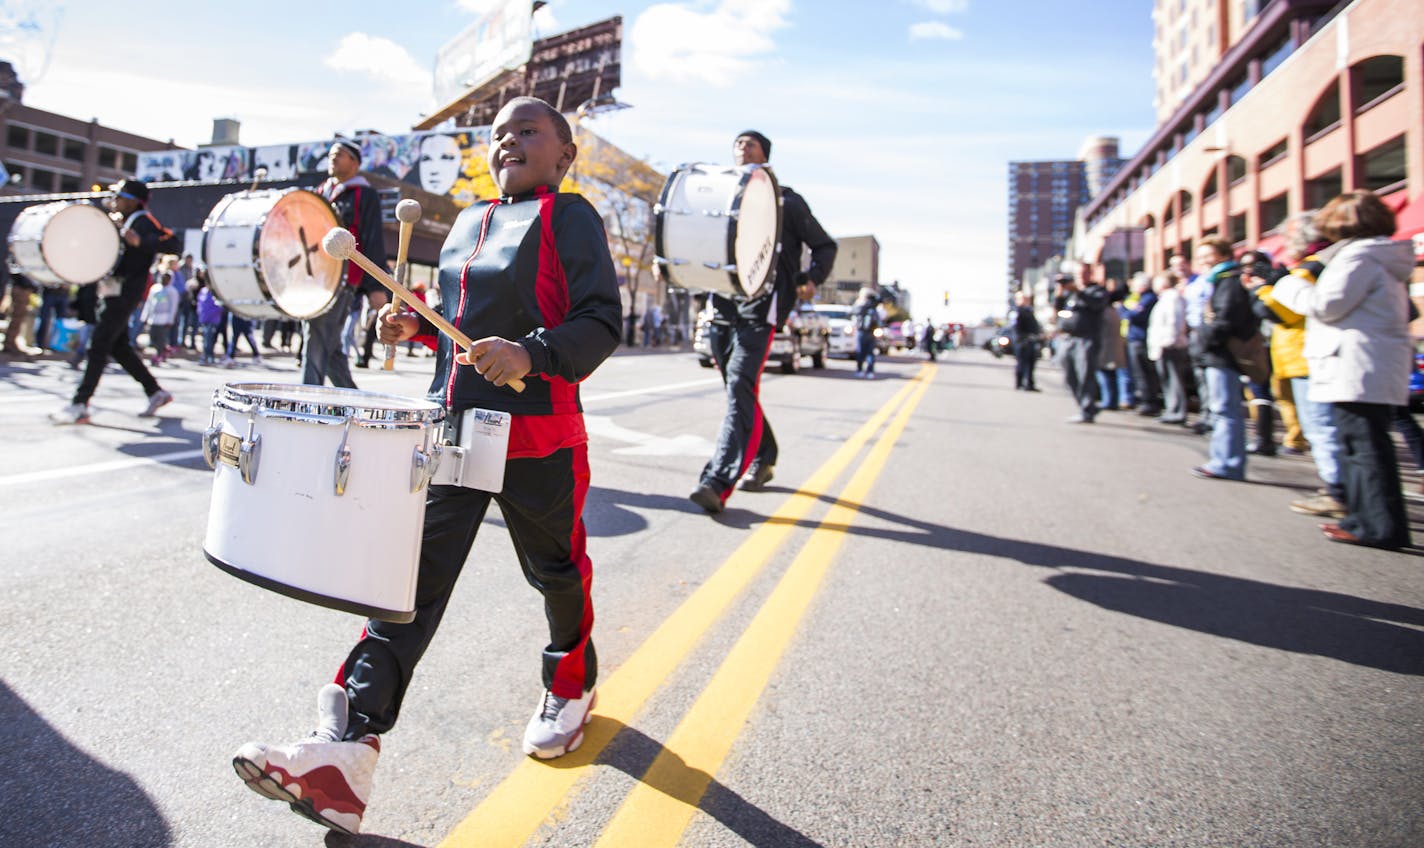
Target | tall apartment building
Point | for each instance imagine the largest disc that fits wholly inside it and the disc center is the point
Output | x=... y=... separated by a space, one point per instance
x=46 y=153
x=1296 y=102
x=1043 y=197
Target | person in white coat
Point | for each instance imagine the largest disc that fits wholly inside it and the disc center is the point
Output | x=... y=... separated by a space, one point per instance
x=1167 y=347
x=1360 y=353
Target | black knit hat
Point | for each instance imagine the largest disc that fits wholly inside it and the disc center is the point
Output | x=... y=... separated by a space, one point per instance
x=350 y=147
x=131 y=188
x=760 y=139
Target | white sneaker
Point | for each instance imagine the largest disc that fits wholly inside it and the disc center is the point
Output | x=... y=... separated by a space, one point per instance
x=75 y=413
x=557 y=725
x=155 y=400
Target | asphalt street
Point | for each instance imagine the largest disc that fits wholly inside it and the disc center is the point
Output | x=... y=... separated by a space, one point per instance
x=951 y=619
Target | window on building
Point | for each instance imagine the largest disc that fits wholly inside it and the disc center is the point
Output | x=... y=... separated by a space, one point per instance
x=1235 y=228
x=73 y=149
x=1272 y=154
x=69 y=182
x=109 y=158
x=1325 y=116
x=16 y=136
x=1211 y=189
x=1235 y=169
x=1377 y=78
x=1273 y=212
x=1237 y=89
x=1184 y=199
x=1323 y=188
x=130 y=163
x=42 y=179
x=1275 y=55
x=47 y=143
x=1215 y=112
x=1382 y=169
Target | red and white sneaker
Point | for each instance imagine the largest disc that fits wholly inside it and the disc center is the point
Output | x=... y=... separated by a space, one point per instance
x=556 y=727
x=321 y=779
x=327 y=782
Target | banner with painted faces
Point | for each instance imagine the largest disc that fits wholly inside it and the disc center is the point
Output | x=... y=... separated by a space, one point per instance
x=450 y=163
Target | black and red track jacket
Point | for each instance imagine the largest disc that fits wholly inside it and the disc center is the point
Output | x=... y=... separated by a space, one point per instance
x=534 y=269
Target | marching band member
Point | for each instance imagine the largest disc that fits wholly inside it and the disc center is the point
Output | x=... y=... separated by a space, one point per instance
x=740 y=336
x=358 y=208
x=530 y=278
x=142 y=237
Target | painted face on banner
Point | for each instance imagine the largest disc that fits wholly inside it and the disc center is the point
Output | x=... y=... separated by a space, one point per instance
x=439 y=163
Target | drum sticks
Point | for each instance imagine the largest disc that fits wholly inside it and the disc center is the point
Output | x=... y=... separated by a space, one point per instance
x=340 y=244
x=407 y=213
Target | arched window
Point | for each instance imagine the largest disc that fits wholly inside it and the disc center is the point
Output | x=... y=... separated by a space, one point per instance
x=1376 y=78
x=1185 y=198
x=1211 y=188
x=1325 y=115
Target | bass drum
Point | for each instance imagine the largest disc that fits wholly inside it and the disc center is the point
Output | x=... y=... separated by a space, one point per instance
x=64 y=244
x=718 y=229
x=263 y=253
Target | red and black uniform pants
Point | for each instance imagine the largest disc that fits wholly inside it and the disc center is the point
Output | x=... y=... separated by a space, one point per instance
x=542 y=505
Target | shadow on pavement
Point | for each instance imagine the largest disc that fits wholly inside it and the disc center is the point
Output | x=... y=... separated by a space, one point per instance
x=1375 y=634
x=632 y=752
x=54 y=794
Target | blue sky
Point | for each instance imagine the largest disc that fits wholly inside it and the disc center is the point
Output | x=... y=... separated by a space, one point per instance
x=895 y=118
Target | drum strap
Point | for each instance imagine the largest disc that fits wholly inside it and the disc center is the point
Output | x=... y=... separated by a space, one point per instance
x=163 y=232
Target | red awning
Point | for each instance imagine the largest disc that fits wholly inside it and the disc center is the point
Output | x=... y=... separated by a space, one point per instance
x=1409 y=219
x=1272 y=244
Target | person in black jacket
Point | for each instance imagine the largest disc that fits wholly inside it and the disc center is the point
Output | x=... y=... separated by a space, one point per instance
x=358 y=207
x=529 y=277
x=141 y=239
x=1080 y=303
x=740 y=335
x=1227 y=314
x=1027 y=332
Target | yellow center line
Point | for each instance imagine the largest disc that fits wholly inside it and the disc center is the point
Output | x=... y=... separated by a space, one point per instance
x=659 y=808
x=535 y=791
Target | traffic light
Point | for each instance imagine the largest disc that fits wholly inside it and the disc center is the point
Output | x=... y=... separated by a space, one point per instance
x=946 y=298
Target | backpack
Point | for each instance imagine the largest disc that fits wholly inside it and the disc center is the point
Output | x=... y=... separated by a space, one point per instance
x=866 y=317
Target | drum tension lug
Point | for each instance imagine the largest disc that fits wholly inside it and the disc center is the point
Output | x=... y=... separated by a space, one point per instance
x=343 y=461
x=250 y=452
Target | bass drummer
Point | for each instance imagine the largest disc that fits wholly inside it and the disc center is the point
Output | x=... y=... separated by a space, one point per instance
x=359 y=209
x=120 y=294
x=740 y=335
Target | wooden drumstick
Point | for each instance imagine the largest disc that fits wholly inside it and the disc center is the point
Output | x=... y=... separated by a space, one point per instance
x=407 y=213
x=340 y=244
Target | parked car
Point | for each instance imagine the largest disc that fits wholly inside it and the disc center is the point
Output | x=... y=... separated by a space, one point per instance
x=805 y=334
x=840 y=327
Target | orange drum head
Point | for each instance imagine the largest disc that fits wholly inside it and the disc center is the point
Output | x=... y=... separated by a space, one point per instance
x=299 y=274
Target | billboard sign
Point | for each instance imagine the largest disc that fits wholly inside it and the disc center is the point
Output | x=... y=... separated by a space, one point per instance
x=500 y=40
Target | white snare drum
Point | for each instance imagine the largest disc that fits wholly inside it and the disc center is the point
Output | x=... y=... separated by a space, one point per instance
x=64 y=243
x=264 y=256
x=319 y=493
x=719 y=229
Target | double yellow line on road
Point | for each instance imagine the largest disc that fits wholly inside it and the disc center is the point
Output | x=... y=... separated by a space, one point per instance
x=661 y=806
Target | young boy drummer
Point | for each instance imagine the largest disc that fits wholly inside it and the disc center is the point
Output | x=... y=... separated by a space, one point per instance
x=530 y=278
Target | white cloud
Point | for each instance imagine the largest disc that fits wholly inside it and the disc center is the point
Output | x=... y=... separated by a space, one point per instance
x=379 y=58
x=934 y=29
x=944 y=7
x=673 y=41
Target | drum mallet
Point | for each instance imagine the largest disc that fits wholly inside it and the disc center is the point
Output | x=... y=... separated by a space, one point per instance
x=407 y=213
x=340 y=244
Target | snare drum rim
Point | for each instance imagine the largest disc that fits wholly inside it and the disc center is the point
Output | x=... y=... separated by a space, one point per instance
x=258 y=399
